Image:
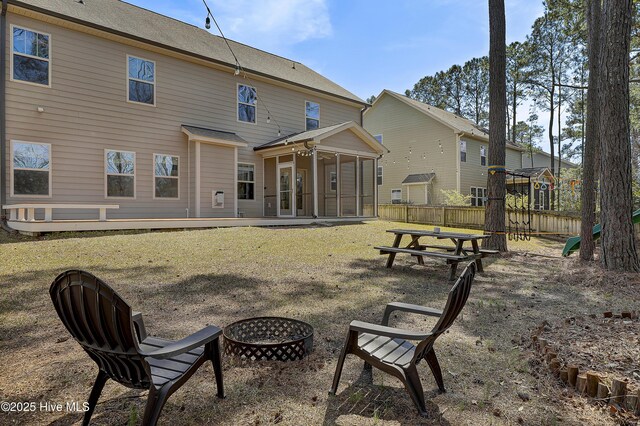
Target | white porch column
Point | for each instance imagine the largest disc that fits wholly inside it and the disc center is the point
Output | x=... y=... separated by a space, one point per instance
x=235 y=182
x=375 y=187
x=197 y=185
x=358 y=185
x=338 y=185
x=315 y=183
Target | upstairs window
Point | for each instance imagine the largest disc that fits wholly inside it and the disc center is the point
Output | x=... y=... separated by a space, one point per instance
x=463 y=151
x=31 y=61
x=141 y=85
x=166 y=176
x=246 y=181
x=378 y=138
x=483 y=156
x=121 y=174
x=247 y=100
x=379 y=175
x=312 y=115
x=31 y=169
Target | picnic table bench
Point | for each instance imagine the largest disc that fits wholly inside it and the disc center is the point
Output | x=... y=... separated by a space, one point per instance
x=452 y=254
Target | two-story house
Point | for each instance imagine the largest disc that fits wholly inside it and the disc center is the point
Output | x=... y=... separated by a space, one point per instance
x=432 y=150
x=108 y=106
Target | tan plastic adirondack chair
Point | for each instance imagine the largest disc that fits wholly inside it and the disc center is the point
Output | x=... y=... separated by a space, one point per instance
x=389 y=349
x=116 y=339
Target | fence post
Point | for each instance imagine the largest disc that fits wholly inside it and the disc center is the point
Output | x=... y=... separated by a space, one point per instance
x=406 y=213
x=444 y=216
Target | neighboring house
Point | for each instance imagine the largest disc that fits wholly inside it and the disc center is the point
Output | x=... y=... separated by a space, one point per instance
x=430 y=150
x=108 y=103
x=543 y=159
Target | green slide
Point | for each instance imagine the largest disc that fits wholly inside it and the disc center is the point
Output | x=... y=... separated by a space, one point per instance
x=573 y=243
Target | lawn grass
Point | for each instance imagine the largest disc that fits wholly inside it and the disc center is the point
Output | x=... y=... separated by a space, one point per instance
x=326 y=276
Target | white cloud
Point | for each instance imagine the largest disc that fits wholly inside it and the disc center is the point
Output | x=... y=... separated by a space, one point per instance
x=270 y=24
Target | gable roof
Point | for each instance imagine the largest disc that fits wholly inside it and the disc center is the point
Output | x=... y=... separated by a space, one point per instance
x=133 y=22
x=317 y=135
x=546 y=154
x=455 y=122
x=533 y=172
x=418 y=178
x=203 y=134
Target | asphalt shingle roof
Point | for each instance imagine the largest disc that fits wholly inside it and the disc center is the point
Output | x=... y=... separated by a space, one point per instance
x=134 y=22
x=214 y=134
x=419 y=178
x=299 y=137
x=530 y=171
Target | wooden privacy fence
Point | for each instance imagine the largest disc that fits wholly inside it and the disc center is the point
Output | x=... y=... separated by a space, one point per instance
x=544 y=222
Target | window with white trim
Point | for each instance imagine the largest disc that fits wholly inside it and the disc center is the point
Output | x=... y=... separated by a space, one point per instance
x=478 y=196
x=31 y=168
x=247 y=101
x=30 y=56
x=378 y=138
x=379 y=175
x=333 y=181
x=483 y=155
x=246 y=181
x=166 y=176
x=120 y=170
x=312 y=115
x=396 y=196
x=141 y=84
x=463 y=151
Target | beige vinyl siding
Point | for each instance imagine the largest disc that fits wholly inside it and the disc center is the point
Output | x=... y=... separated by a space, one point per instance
x=514 y=159
x=346 y=140
x=415 y=193
x=215 y=179
x=543 y=160
x=86 y=111
x=403 y=127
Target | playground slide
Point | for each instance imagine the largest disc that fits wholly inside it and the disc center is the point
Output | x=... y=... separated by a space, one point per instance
x=573 y=243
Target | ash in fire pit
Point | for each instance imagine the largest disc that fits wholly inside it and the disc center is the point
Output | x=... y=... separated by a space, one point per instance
x=268 y=339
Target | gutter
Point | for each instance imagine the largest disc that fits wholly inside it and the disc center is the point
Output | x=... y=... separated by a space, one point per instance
x=3 y=111
x=174 y=49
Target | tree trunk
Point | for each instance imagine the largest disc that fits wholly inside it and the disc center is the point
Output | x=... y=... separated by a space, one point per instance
x=551 y=142
x=515 y=106
x=616 y=205
x=496 y=183
x=559 y=177
x=592 y=136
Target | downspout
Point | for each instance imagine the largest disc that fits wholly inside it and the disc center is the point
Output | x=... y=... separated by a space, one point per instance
x=366 y=107
x=3 y=112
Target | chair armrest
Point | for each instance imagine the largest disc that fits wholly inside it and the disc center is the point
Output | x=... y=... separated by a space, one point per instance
x=407 y=307
x=197 y=339
x=381 y=330
x=138 y=324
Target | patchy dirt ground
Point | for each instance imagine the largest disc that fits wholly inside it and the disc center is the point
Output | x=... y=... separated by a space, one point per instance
x=326 y=276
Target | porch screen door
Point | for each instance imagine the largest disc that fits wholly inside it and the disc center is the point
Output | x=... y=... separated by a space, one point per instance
x=285 y=190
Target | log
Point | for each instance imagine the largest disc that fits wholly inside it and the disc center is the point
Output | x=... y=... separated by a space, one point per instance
x=592 y=383
x=581 y=383
x=572 y=373
x=638 y=402
x=608 y=314
x=618 y=391
x=541 y=344
x=603 y=392
x=625 y=314
x=551 y=356
x=564 y=376
x=554 y=366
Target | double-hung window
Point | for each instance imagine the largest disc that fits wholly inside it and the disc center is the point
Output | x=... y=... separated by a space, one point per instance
x=312 y=115
x=478 y=196
x=247 y=101
x=141 y=84
x=246 y=181
x=396 y=196
x=166 y=176
x=120 y=171
x=30 y=58
x=463 y=151
x=483 y=156
x=379 y=175
x=31 y=164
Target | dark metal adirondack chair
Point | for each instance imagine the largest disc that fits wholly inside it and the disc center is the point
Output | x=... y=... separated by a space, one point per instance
x=389 y=349
x=115 y=338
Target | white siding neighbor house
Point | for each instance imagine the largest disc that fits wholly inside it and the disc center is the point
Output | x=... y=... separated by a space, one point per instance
x=114 y=117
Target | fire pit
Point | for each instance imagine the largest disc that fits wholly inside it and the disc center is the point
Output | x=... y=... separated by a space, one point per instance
x=268 y=339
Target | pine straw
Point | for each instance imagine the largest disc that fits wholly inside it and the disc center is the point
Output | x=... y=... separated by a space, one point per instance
x=326 y=276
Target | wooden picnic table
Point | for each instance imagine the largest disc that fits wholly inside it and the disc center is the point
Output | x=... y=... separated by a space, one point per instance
x=453 y=254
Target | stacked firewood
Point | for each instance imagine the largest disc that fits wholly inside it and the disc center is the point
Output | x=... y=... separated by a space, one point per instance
x=618 y=393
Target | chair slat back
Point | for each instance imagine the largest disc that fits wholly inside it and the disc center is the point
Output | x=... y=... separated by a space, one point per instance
x=456 y=300
x=100 y=321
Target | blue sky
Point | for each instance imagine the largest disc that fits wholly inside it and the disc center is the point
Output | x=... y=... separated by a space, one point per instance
x=365 y=46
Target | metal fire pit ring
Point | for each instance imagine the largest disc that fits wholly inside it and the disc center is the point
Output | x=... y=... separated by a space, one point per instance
x=268 y=339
